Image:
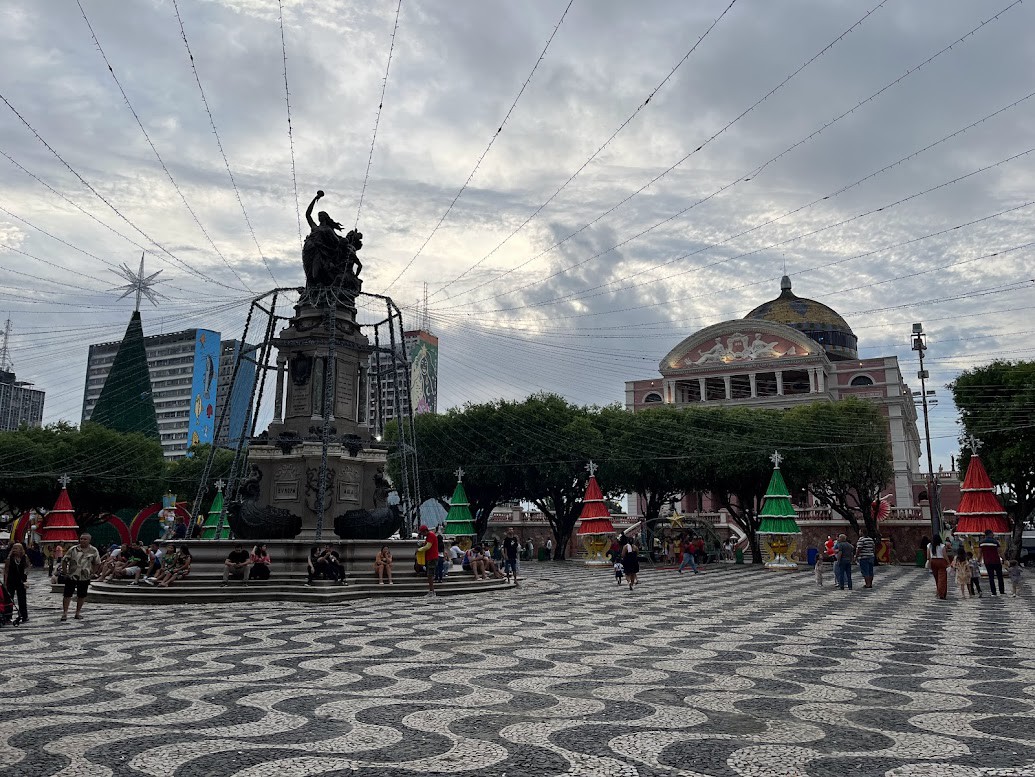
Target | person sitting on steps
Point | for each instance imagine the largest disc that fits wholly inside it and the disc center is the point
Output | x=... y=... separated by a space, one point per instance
x=238 y=563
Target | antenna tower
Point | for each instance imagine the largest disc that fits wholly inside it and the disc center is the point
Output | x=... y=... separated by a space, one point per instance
x=6 y=365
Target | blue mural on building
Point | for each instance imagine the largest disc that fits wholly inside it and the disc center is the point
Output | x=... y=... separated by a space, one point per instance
x=201 y=428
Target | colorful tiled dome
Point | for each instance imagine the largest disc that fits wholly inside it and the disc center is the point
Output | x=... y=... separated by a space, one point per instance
x=811 y=318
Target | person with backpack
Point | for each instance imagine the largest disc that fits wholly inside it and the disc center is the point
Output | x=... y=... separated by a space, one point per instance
x=845 y=554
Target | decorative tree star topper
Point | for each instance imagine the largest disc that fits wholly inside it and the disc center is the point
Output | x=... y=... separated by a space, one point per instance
x=139 y=284
x=592 y=468
x=219 y=484
x=459 y=474
x=974 y=444
x=64 y=480
x=776 y=458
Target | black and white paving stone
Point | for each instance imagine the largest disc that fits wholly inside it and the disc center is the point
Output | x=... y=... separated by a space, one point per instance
x=734 y=673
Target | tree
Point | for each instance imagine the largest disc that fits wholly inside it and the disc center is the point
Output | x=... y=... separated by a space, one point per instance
x=844 y=450
x=552 y=441
x=108 y=470
x=649 y=453
x=474 y=438
x=996 y=403
x=183 y=476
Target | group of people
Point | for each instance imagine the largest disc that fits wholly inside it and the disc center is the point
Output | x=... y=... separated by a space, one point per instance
x=76 y=567
x=625 y=557
x=434 y=560
x=943 y=557
x=844 y=555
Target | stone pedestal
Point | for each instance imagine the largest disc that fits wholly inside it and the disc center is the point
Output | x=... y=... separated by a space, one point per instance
x=321 y=395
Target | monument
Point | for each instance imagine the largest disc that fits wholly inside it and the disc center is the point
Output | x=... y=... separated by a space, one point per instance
x=314 y=469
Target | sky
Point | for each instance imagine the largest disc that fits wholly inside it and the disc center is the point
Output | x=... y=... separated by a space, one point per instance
x=570 y=230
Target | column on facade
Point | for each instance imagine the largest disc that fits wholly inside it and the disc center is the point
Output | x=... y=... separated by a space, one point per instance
x=278 y=406
x=812 y=380
x=754 y=384
x=704 y=388
x=820 y=383
x=728 y=383
x=779 y=383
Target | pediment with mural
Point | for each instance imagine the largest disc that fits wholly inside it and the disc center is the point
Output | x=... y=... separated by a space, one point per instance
x=738 y=341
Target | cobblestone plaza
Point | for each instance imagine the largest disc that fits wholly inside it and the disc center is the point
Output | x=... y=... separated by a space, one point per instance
x=734 y=673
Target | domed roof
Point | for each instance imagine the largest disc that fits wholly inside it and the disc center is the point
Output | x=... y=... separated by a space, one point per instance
x=814 y=319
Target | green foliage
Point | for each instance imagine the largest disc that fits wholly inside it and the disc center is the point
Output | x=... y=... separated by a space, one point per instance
x=996 y=403
x=183 y=476
x=847 y=454
x=108 y=470
x=536 y=450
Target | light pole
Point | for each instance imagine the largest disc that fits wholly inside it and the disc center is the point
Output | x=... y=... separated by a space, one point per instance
x=919 y=344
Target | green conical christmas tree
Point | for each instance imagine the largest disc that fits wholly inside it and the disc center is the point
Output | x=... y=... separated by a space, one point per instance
x=214 y=528
x=777 y=511
x=459 y=522
x=126 y=403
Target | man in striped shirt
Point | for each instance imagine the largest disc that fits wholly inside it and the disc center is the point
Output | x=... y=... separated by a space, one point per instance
x=865 y=553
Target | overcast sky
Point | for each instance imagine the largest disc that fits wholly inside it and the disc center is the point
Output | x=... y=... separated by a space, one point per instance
x=590 y=291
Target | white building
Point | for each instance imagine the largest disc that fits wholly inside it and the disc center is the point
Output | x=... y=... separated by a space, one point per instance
x=19 y=403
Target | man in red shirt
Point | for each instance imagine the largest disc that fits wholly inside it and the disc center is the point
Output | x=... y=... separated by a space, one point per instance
x=989 y=548
x=430 y=548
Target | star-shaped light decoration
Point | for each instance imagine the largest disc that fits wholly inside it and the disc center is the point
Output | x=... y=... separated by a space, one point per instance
x=776 y=458
x=139 y=284
x=974 y=444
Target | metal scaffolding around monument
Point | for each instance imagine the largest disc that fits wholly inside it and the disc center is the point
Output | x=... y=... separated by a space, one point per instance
x=392 y=358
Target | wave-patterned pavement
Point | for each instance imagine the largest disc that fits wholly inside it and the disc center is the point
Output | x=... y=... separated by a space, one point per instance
x=734 y=673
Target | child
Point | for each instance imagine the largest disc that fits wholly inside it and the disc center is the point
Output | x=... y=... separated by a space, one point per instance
x=819 y=571
x=619 y=572
x=961 y=567
x=1014 y=571
x=975 y=574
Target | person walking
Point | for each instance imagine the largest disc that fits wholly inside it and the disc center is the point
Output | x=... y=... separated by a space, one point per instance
x=866 y=553
x=975 y=575
x=79 y=565
x=510 y=554
x=631 y=562
x=1014 y=571
x=845 y=553
x=939 y=565
x=989 y=547
x=961 y=567
x=430 y=550
x=688 y=556
x=16 y=576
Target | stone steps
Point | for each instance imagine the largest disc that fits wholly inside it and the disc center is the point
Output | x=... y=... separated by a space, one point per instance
x=210 y=589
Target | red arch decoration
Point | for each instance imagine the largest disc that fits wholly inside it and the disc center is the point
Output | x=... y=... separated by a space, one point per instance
x=151 y=511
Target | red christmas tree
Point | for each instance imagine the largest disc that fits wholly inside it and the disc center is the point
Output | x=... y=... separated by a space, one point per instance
x=60 y=525
x=980 y=509
x=595 y=517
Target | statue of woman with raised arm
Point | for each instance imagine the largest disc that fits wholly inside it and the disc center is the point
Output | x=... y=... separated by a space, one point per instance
x=321 y=248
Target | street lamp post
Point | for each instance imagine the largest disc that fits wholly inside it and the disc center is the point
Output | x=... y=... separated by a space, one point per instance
x=919 y=344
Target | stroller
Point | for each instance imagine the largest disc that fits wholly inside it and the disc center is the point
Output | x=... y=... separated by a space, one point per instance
x=7 y=607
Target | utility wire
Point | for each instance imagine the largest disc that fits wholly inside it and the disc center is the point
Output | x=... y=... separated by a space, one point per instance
x=603 y=146
x=158 y=156
x=377 y=118
x=219 y=142
x=747 y=176
x=189 y=268
x=291 y=137
x=484 y=153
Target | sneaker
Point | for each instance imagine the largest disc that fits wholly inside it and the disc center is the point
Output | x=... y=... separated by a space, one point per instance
x=429 y=594
x=223 y=585
x=149 y=580
x=134 y=582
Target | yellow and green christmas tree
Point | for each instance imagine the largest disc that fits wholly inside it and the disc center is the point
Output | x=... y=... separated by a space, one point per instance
x=459 y=522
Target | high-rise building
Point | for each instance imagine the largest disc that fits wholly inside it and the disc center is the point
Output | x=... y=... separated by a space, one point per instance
x=183 y=367
x=235 y=415
x=19 y=403
x=421 y=349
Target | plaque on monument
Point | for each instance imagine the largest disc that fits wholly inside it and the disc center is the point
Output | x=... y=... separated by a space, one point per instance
x=348 y=492
x=285 y=490
x=345 y=391
x=299 y=402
